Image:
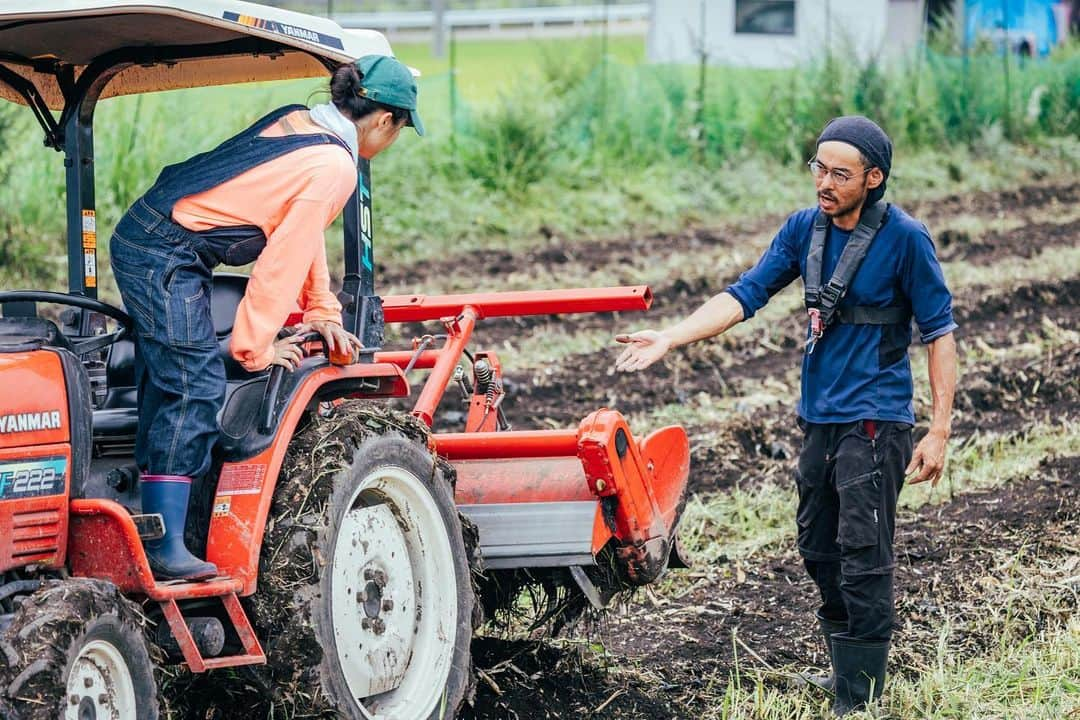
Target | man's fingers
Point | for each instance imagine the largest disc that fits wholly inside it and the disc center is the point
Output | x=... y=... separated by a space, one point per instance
x=632 y=360
x=929 y=470
x=916 y=460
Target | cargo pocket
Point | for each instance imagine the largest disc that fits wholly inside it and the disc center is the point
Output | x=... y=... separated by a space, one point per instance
x=188 y=303
x=860 y=518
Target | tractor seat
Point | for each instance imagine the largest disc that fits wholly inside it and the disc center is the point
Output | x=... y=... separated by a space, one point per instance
x=118 y=420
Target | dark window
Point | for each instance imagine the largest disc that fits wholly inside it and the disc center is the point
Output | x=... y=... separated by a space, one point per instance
x=765 y=17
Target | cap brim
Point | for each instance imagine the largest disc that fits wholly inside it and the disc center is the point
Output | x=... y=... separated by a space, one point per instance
x=414 y=120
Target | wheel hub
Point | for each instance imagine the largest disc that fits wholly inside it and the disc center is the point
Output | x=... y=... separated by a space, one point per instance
x=99 y=685
x=394 y=597
x=376 y=645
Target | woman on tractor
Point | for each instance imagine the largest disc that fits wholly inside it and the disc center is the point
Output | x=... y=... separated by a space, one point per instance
x=265 y=195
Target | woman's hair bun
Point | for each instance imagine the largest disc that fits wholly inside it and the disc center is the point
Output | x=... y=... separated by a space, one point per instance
x=345 y=87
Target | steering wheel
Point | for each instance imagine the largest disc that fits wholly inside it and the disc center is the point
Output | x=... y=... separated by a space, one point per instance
x=81 y=347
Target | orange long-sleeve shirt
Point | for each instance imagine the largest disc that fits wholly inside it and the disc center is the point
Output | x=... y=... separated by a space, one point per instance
x=293 y=199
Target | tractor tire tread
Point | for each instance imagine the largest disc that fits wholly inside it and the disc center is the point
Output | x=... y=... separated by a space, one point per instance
x=293 y=556
x=46 y=634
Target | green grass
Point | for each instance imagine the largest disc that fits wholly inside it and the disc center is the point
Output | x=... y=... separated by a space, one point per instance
x=484 y=69
x=550 y=135
x=1035 y=679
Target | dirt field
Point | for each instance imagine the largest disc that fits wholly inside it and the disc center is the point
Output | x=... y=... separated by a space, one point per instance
x=662 y=655
x=745 y=610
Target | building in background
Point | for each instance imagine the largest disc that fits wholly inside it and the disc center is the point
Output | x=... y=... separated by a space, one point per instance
x=781 y=33
x=1026 y=27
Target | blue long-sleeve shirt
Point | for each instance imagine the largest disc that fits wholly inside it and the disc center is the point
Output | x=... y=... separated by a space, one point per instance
x=859 y=372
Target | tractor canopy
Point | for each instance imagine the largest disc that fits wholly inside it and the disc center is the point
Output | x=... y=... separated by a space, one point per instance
x=152 y=45
x=60 y=57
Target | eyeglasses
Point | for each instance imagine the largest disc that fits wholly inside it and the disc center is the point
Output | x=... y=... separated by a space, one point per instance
x=840 y=177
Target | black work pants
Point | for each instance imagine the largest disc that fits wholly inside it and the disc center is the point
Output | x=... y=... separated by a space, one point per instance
x=849 y=477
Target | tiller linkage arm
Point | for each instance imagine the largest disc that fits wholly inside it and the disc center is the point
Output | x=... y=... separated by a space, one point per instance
x=548 y=498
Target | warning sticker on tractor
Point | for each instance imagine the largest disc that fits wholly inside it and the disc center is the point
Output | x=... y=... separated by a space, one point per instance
x=89 y=221
x=280 y=28
x=32 y=478
x=242 y=479
x=90 y=268
x=222 y=505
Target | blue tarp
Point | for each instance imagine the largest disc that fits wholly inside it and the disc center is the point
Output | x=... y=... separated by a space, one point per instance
x=1014 y=20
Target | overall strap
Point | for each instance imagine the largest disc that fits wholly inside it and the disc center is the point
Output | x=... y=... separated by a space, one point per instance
x=272 y=117
x=231 y=158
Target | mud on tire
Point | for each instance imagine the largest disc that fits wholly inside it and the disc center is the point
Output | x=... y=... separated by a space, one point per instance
x=355 y=490
x=76 y=646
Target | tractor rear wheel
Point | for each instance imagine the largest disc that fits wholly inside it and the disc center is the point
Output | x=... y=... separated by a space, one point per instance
x=76 y=650
x=365 y=591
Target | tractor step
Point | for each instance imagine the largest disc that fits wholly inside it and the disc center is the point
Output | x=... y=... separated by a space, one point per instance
x=535 y=534
x=253 y=653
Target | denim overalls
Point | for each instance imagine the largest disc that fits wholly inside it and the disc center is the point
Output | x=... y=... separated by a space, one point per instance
x=163 y=272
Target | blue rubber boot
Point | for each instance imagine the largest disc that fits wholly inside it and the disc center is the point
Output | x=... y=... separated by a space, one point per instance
x=169 y=557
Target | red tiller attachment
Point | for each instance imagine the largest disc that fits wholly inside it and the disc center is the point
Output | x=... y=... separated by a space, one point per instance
x=559 y=497
x=548 y=498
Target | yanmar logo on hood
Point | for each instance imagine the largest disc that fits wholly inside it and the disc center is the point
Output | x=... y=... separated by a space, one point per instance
x=29 y=422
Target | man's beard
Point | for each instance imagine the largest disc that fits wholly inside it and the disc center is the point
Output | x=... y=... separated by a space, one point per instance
x=843 y=209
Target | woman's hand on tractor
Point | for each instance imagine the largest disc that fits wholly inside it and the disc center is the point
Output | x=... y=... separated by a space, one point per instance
x=643 y=349
x=287 y=352
x=338 y=339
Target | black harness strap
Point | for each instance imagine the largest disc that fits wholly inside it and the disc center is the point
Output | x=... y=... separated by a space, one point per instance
x=822 y=302
x=894 y=315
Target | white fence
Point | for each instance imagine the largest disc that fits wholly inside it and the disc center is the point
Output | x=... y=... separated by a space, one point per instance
x=497 y=19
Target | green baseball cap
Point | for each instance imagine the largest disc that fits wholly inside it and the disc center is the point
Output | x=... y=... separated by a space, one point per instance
x=388 y=81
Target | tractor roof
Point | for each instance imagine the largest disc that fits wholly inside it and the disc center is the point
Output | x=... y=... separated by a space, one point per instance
x=162 y=45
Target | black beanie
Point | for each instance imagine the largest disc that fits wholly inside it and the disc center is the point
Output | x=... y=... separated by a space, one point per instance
x=865 y=135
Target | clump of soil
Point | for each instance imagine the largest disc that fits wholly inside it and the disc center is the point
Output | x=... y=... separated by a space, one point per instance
x=531 y=679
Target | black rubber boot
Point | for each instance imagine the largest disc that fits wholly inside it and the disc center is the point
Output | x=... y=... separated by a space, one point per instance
x=828 y=629
x=168 y=556
x=859 y=666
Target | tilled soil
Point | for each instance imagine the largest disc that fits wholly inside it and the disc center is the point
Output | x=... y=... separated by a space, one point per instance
x=759 y=614
x=661 y=655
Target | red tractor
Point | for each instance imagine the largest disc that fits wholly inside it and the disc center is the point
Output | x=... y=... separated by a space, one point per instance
x=350 y=538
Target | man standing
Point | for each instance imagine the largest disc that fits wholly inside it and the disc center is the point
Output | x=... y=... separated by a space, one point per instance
x=868 y=269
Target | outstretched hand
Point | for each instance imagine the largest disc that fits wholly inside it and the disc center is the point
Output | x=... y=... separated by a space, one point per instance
x=643 y=348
